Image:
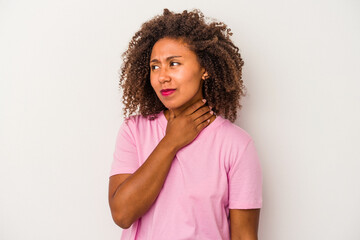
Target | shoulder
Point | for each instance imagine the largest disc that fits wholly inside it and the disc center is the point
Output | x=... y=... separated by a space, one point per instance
x=139 y=120
x=140 y=125
x=231 y=132
x=233 y=139
x=237 y=144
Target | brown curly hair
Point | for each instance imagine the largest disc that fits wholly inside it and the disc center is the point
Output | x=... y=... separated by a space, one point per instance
x=211 y=43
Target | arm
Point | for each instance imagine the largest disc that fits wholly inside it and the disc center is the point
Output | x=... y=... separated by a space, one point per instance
x=244 y=224
x=131 y=195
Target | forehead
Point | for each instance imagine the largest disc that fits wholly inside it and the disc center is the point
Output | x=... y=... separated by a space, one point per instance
x=170 y=47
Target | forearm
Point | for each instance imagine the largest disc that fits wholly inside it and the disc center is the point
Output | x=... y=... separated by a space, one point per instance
x=244 y=237
x=136 y=194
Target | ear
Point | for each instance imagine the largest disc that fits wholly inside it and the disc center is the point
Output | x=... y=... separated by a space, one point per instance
x=205 y=75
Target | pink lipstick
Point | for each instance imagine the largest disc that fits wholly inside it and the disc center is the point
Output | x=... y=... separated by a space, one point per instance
x=167 y=92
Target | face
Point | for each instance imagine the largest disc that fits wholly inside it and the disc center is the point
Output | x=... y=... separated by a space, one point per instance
x=175 y=74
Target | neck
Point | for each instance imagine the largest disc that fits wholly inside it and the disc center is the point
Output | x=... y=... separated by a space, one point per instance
x=182 y=108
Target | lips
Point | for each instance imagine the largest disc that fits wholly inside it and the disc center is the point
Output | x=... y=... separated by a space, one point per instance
x=167 y=92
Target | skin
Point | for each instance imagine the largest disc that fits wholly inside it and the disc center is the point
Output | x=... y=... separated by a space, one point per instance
x=244 y=224
x=173 y=65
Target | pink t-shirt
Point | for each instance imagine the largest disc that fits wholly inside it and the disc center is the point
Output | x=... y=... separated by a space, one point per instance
x=218 y=171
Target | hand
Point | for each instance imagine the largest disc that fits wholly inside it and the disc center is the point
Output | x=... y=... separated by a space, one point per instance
x=183 y=129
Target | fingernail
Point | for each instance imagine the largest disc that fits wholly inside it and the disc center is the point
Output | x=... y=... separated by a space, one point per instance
x=211 y=112
x=204 y=100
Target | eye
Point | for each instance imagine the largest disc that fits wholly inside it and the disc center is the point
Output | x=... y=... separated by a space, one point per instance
x=174 y=63
x=154 y=67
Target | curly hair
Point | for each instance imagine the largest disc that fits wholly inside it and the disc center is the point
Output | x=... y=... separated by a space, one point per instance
x=211 y=43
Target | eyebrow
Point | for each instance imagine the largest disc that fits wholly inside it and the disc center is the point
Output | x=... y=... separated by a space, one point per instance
x=167 y=59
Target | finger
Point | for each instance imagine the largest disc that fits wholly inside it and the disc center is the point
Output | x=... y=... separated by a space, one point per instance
x=194 y=107
x=202 y=125
x=200 y=112
x=204 y=117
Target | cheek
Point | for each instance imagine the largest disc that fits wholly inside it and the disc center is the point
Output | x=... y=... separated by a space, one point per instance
x=188 y=76
x=152 y=82
x=192 y=81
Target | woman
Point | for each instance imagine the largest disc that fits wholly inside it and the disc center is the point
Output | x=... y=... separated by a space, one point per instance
x=182 y=169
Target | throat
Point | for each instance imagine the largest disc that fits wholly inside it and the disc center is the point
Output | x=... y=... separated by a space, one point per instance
x=167 y=116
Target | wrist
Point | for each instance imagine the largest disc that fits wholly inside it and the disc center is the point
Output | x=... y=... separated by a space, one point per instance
x=170 y=145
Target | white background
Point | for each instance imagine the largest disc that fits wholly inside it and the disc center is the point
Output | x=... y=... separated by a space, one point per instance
x=60 y=110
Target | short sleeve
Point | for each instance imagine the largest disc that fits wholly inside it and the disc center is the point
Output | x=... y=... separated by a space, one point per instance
x=125 y=158
x=245 y=180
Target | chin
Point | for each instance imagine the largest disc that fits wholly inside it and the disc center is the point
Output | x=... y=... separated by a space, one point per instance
x=172 y=106
x=169 y=106
x=176 y=103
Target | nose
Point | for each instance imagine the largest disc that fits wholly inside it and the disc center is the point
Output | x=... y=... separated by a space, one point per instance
x=164 y=75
